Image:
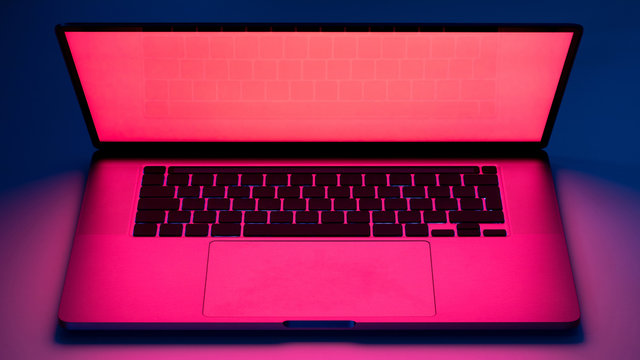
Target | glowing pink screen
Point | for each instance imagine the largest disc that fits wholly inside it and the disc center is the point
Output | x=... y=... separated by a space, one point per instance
x=319 y=86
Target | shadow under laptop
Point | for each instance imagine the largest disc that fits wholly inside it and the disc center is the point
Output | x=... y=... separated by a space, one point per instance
x=240 y=337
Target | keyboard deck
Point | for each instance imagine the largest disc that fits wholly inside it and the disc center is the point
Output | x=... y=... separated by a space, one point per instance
x=320 y=201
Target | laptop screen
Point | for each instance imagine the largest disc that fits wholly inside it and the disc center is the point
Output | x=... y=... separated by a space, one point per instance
x=319 y=86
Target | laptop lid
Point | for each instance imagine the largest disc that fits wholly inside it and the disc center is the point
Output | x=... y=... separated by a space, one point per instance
x=209 y=83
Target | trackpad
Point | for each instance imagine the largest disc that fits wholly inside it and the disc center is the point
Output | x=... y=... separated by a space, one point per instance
x=315 y=279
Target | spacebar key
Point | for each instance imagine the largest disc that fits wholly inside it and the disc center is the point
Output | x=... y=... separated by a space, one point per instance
x=306 y=230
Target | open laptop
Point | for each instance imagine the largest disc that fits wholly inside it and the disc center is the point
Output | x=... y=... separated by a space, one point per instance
x=319 y=176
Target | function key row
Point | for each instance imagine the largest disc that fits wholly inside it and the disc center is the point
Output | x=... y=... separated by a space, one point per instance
x=307 y=179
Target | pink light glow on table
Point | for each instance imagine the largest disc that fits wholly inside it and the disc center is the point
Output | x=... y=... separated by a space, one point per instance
x=324 y=86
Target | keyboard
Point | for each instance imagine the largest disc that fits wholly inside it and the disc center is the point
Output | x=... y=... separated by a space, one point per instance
x=200 y=201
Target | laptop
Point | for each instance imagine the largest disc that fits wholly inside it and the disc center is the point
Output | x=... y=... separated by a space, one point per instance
x=319 y=176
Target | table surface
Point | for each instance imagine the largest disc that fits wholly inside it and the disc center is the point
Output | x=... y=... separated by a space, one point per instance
x=593 y=152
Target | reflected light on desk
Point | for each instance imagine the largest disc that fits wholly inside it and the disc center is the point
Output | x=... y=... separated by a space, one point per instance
x=601 y=221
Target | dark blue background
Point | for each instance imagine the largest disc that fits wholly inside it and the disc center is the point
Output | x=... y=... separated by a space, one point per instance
x=594 y=152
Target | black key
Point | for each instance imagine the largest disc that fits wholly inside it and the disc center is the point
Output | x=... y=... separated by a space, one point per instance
x=192 y=204
x=387 y=230
x=492 y=197
x=289 y=192
x=301 y=179
x=420 y=204
x=145 y=230
x=251 y=179
x=384 y=217
x=493 y=203
x=388 y=192
x=439 y=191
x=295 y=204
x=446 y=204
x=364 y=192
x=171 y=230
x=270 y=204
x=326 y=179
x=277 y=179
x=451 y=169
x=409 y=217
x=189 y=191
x=332 y=217
x=358 y=217
x=375 y=179
x=395 y=204
x=152 y=179
x=306 y=217
x=449 y=179
x=313 y=192
x=238 y=192
x=481 y=179
x=413 y=192
x=488 y=191
x=319 y=204
x=424 y=179
x=178 y=179
x=470 y=204
x=154 y=169
x=280 y=217
x=495 y=232
x=464 y=191
x=350 y=179
x=244 y=204
x=202 y=179
x=468 y=232
x=339 y=192
x=416 y=230
x=157 y=191
x=196 y=230
x=204 y=217
x=230 y=217
x=179 y=217
x=218 y=204
x=442 y=233
x=150 y=216
x=400 y=179
x=435 y=216
x=264 y=192
x=306 y=230
x=213 y=191
x=158 y=204
x=468 y=229
x=225 y=229
x=256 y=217
x=489 y=170
x=345 y=204
x=476 y=216
x=370 y=204
x=226 y=179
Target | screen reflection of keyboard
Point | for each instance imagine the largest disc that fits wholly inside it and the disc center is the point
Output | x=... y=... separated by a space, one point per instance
x=320 y=202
